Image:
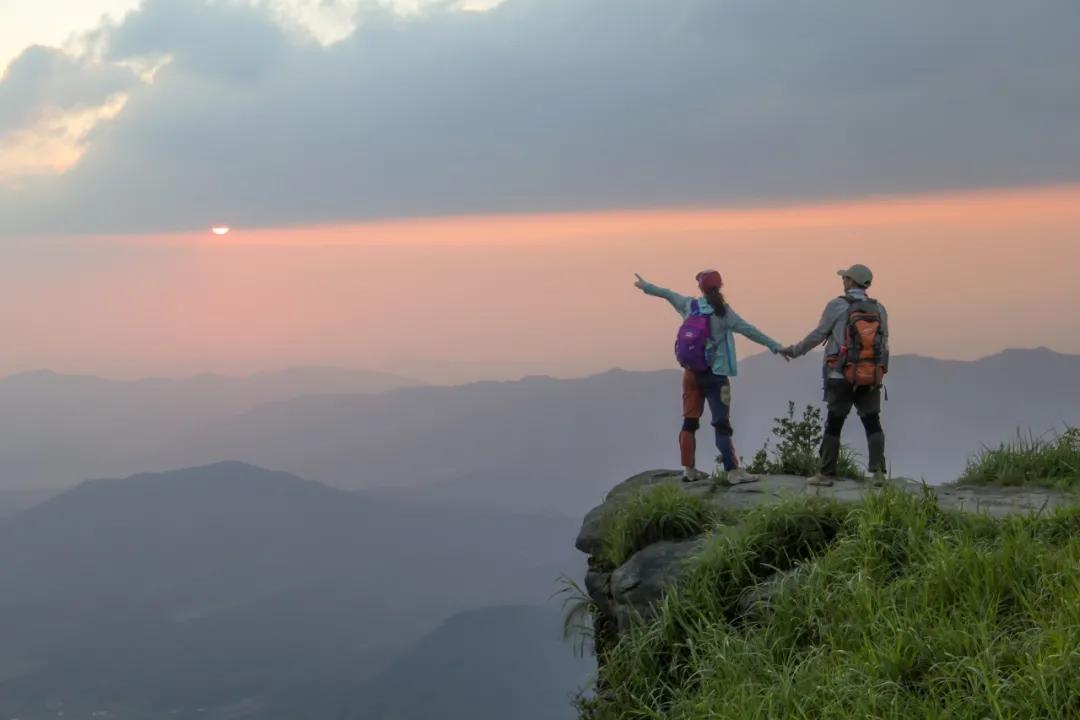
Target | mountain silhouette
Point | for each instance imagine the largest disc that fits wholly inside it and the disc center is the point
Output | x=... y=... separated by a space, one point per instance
x=60 y=429
x=534 y=445
x=557 y=445
x=209 y=585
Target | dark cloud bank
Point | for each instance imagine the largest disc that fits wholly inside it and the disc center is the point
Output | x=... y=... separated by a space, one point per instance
x=560 y=105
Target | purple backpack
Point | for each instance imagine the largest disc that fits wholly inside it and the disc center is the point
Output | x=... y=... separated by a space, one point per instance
x=692 y=338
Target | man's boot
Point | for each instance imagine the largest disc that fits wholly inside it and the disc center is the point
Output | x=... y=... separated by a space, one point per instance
x=876 y=441
x=830 y=456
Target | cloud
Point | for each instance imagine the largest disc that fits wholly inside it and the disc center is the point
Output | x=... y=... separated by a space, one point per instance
x=229 y=42
x=50 y=102
x=544 y=105
x=44 y=81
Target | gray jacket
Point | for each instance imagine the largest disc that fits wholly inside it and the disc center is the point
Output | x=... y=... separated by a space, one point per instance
x=831 y=329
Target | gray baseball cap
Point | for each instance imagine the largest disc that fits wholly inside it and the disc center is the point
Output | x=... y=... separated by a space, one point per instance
x=858 y=273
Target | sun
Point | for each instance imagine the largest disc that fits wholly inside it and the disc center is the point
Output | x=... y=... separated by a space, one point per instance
x=220 y=229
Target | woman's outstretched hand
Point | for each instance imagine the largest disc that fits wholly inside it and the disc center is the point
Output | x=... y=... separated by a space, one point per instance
x=640 y=282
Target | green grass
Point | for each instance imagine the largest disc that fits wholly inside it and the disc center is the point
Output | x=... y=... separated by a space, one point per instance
x=1052 y=461
x=578 y=610
x=662 y=512
x=898 y=609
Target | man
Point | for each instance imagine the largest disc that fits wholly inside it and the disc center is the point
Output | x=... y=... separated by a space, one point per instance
x=841 y=391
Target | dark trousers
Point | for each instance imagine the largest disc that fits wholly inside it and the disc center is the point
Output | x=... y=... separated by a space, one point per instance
x=840 y=397
x=699 y=389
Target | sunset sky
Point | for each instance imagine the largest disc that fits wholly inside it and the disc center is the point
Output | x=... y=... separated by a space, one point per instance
x=465 y=190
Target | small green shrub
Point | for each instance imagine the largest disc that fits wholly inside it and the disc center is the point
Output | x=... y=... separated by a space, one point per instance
x=1027 y=460
x=662 y=512
x=797 y=445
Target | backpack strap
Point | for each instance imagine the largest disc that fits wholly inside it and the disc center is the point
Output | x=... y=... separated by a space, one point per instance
x=853 y=301
x=695 y=307
x=869 y=305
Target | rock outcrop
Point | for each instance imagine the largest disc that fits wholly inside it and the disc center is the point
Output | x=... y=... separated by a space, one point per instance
x=634 y=588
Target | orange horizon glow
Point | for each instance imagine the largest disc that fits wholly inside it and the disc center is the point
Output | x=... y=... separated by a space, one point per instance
x=497 y=297
x=975 y=208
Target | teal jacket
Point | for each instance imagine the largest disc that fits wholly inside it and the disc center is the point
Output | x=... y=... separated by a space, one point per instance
x=721 y=346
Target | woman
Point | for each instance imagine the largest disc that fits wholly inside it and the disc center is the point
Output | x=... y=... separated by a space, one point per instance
x=712 y=385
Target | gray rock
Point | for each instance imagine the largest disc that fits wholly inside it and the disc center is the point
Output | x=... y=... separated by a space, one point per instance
x=643 y=579
x=590 y=539
x=1001 y=501
x=644 y=480
x=636 y=587
x=598 y=587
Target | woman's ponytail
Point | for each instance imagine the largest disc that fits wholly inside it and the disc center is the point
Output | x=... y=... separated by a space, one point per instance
x=716 y=299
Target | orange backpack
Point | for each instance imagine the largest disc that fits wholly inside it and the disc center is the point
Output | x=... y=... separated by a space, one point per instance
x=864 y=357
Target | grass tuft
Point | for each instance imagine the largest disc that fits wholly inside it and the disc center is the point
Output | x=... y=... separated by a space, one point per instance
x=578 y=610
x=661 y=512
x=1052 y=461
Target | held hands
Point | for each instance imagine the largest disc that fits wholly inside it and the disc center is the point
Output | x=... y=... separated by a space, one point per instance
x=788 y=353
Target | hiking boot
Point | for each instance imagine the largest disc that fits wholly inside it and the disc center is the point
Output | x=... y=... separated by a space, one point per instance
x=878 y=479
x=694 y=475
x=821 y=480
x=738 y=476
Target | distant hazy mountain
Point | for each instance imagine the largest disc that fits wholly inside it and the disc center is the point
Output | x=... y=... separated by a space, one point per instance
x=56 y=430
x=528 y=444
x=553 y=444
x=17 y=500
x=539 y=444
x=229 y=584
x=489 y=664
